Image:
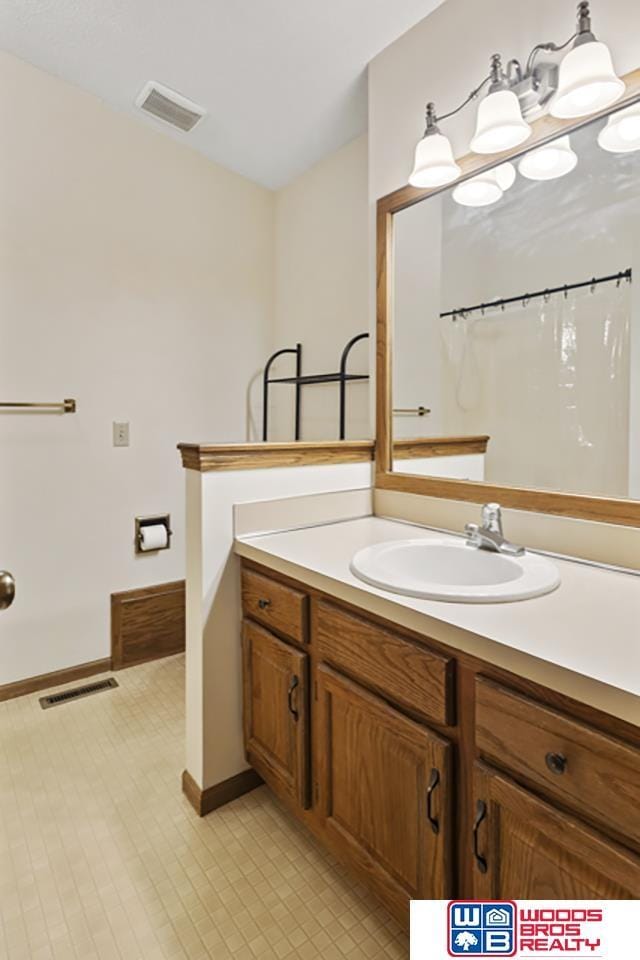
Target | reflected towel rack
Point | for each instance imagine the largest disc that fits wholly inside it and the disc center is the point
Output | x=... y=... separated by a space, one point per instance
x=524 y=298
x=67 y=406
x=411 y=411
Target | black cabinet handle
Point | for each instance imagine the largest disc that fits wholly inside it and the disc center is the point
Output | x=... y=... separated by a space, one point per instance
x=556 y=762
x=263 y=604
x=481 y=813
x=292 y=686
x=434 y=780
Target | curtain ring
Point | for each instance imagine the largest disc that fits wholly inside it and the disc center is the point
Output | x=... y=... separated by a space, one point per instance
x=547 y=296
x=566 y=292
x=593 y=285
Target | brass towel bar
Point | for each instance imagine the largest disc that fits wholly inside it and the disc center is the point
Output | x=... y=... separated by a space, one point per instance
x=411 y=411
x=67 y=406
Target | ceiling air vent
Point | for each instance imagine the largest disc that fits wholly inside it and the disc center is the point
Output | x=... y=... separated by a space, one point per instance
x=167 y=105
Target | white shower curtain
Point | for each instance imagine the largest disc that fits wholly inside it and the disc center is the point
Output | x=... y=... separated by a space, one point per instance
x=549 y=383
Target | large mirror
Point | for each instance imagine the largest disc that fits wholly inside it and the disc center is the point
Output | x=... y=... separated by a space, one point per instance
x=515 y=325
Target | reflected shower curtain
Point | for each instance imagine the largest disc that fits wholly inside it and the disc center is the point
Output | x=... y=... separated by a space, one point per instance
x=549 y=382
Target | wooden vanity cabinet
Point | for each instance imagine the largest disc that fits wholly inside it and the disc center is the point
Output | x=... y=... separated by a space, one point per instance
x=383 y=791
x=526 y=849
x=592 y=774
x=429 y=773
x=276 y=711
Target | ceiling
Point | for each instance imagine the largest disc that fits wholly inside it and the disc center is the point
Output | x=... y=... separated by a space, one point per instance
x=283 y=81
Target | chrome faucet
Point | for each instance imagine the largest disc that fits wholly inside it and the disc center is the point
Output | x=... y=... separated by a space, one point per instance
x=490 y=536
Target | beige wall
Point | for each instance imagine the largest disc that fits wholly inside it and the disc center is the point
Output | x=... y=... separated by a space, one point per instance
x=322 y=290
x=136 y=276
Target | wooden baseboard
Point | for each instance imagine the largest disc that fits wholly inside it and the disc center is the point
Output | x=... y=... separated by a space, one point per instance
x=46 y=680
x=147 y=624
x=204 y=801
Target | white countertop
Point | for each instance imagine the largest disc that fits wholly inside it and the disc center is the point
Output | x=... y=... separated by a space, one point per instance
x=582 y=640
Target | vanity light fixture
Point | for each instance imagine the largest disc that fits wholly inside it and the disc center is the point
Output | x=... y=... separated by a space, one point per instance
x=500 y=124
x=434 y=165
x=586 y=80
x=622 y=132
x=485 y=188
x=549 y=162
x=582 y=83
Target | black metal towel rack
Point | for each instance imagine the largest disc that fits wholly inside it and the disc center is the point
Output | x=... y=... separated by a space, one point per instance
x=526 y=297
x=298 y=381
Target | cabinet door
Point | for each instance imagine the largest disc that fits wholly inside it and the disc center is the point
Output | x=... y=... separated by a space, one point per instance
x=276 y=711
x=384 y=792
x=530 y=850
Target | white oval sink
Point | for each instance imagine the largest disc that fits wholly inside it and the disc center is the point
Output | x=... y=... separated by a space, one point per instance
x=451 y=570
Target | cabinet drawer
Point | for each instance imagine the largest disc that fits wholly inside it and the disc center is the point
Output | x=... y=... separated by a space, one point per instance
x=581 y=767
x=393 y=666
x=281 y=608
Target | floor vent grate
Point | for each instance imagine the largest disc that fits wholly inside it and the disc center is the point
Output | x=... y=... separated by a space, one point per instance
x=55 y=698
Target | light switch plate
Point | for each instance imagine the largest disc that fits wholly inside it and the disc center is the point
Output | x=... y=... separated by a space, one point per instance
x=120 y=434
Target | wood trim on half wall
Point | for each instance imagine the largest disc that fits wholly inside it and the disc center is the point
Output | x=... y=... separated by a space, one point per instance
x=256 y=456
x=147 y=624
x=425 y=447
x=601 y=509
x=204 y=801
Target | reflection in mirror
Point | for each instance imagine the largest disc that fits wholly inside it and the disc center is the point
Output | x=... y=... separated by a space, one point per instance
x=516 y=331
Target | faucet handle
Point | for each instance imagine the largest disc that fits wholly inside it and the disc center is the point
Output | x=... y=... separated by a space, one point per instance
x=492 y=517
x=471 y=532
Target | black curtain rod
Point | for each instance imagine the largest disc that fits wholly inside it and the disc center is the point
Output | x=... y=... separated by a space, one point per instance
x=461 y=311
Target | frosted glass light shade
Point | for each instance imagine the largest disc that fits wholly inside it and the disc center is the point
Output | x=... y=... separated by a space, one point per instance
x=587 y=82
x=434 y=163
x=505 y=175
x=622 y=132
x=486 y=188
x=553 y=160
x=480 y=191
x=500 y=125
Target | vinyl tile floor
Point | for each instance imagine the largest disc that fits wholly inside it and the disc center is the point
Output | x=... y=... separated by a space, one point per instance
x=102 y=858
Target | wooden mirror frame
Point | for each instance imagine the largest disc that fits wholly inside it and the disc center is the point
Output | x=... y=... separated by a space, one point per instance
x=604 y=509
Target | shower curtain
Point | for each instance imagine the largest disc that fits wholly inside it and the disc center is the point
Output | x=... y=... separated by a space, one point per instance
x=549 y=382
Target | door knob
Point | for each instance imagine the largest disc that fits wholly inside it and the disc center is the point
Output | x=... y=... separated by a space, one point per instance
x=7 y=589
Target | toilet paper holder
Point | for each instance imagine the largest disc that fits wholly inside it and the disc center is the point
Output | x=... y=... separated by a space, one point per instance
x=152 y=521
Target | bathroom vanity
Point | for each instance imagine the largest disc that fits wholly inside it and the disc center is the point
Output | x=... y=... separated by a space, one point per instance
x=441 y=747
x=431 y=772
